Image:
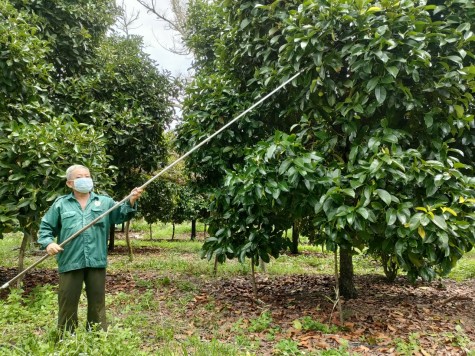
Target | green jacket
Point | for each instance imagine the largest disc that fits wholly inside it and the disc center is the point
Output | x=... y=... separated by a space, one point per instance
x=66 y=216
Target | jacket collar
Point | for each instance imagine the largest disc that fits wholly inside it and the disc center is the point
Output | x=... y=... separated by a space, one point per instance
x=92 y=196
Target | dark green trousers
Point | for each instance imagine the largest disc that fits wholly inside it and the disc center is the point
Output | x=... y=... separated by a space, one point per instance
x=70 y=288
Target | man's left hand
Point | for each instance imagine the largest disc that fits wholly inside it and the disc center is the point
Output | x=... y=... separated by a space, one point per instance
x=135 y=194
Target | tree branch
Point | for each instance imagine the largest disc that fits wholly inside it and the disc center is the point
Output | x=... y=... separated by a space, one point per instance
x=177 y=23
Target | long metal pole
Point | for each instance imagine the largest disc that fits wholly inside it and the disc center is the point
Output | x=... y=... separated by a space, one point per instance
x=206 y=140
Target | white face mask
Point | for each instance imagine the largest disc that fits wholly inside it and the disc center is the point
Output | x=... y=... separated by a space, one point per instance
x=83 y=185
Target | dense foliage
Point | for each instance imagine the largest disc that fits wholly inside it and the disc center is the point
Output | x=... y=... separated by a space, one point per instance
x=72 y=93
x=130 y=99
x=364 y=147
x=172 y=197
x=36 y=144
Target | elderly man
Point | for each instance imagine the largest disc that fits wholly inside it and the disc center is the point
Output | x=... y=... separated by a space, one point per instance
x=84 y=259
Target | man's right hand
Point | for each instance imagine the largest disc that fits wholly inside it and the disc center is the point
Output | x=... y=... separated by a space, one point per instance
x=53 y=249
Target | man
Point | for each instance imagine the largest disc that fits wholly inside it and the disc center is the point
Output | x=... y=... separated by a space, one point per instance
x=83 y=259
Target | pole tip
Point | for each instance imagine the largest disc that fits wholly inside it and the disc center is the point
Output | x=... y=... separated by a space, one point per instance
x=6 y=285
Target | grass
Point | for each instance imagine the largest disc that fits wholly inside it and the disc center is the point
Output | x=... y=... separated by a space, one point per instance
x=163 y=231
x=465 y=268
x=154 y=318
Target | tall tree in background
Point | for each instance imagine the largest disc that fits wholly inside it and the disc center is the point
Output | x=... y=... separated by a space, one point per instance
x=172 y=198
x=364 y=146
x=91 y=99
x=130 y=99
x=36 y=145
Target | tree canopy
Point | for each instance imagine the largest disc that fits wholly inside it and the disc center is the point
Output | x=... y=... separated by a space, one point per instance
x=371 y=146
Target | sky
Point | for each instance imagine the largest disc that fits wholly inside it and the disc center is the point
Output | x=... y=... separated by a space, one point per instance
x=156 y=36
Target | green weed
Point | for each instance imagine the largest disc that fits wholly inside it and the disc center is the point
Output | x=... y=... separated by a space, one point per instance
x=286 y=347
x=459 y=338
x=197 y=347
x=307 y=323
x=409 y=347
x=261 y=323
x=341 y=351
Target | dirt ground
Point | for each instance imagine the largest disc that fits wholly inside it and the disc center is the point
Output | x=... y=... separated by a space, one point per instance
x=382 y=314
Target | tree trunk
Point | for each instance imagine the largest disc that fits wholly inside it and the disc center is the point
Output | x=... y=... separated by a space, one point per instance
x=253 y=278
x=337 y=288
x=215 y=267
x=204 y=230
x=24 y=246
x=173 y=230
x=193 y=229
x=347 y=286
x=127 y=239
x=294 y=247
x=150 y=231
x=111 y=238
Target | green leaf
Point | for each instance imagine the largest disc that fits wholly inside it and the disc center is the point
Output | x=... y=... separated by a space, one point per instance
x=380 y=93
x=244 y=23
x=449 y=210
x=363 y=212
x=384 y=195
x=270 y=151
x=350 y=218
x=15 y=177
x=443 y=241
x=23 y=203
x=469 y=70
x=426 y=273
x=393 y=71
x=372 y=83
x=400 y=247
x=373 y=143
x=353 y=154
x=273 y=30
x=431 y=189
x=402 y=217
x=374 y=9
x=440 y=222
x=459 y=111
x=349 y=192
x=375 y=166
x=284 y=166
x=455 y=59
x=429 y=120
x=390 y=138
x=421 y=231
x=391 y=216
x=264 y=256
x=415 y=221
x=313 y=85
